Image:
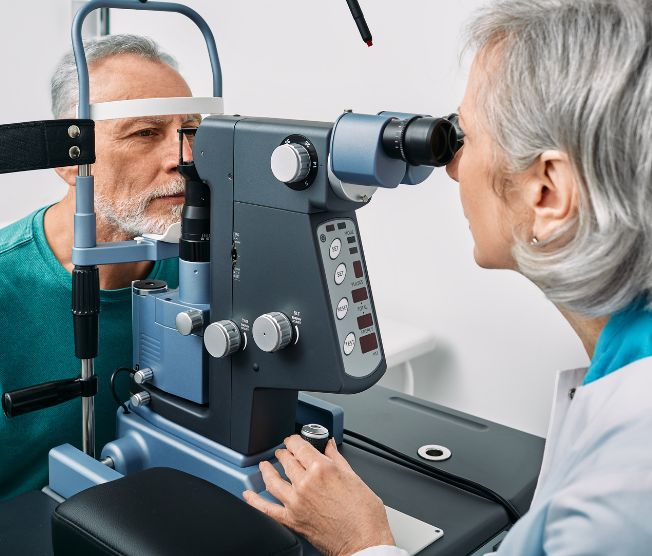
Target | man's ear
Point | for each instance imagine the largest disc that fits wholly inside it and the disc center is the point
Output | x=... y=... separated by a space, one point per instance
x=67 y=174
x=551 y=193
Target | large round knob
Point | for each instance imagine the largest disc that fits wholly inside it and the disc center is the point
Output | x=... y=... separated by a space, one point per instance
x=189 y=321
x=290 y=162
x=222 y=338
x=272 y=331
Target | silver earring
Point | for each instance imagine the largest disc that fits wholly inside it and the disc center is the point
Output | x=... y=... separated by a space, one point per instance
x=534 y=240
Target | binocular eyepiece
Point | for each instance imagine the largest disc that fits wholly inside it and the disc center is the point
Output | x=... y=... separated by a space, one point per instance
x=423 y=140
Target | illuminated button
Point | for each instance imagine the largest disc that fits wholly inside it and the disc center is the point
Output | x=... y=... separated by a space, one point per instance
x=359 y=295
x=351 y=239
x=342 y=308
x=365 y=321
x=336 y=248
x=368 y=343
x=353 y=250
x=341 y=225
x=357 y=269
x=349 y=343
x=330 y=227
x=340 y=273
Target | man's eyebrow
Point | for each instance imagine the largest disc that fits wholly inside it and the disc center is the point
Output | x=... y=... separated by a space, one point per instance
x=192 y=118
x=155 y=121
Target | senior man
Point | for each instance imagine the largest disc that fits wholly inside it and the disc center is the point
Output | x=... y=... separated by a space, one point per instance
x=137 y=190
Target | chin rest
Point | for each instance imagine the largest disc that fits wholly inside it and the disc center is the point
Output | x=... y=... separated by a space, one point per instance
x=161 y=512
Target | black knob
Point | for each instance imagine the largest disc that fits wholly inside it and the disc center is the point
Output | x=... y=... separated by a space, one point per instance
x=316 y=435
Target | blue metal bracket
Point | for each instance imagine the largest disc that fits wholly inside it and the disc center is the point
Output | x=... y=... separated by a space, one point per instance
x=124 y=252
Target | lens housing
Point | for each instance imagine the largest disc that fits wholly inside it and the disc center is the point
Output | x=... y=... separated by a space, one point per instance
x=420 y=140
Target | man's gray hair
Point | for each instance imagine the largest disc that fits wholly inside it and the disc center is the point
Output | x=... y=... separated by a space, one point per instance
x=64 y=89
x=576 y=76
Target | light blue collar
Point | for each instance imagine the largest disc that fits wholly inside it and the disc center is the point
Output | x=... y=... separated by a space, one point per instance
x=627 y=337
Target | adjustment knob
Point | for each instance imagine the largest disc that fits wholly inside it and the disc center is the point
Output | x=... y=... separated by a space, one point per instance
x=290 y=163
x=222 y=338
x=142 y=376
x=140 y=399
x=272 y=331
x=189 y=321
x=316 y=435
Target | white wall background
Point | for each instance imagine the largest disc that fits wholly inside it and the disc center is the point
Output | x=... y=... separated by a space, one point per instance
x=500 y=341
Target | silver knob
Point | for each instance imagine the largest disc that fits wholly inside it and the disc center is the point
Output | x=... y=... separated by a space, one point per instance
x=290 y=163
x=272 y=331
x=141 y=376
x=189 y=321
x=222 y=338
x=140 y=399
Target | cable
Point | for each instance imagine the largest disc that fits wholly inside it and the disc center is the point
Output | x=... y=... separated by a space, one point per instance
x=113 y=391
x=385 y=452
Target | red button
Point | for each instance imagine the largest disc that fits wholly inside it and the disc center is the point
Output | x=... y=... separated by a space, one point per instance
x=357 y=268
x=368 y=343
x=359 y=295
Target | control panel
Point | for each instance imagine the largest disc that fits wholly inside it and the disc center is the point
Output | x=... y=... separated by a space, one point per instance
x=350 y=296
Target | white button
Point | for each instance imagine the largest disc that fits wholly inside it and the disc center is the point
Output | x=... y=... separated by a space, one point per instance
x=336 y=247
x=342 y=308
x=340 y=273
x=349 y=343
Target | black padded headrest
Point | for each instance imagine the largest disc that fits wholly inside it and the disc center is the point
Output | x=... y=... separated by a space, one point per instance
x=165 y=512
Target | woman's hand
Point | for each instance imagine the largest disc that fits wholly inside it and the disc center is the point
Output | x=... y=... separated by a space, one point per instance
x=325 y=501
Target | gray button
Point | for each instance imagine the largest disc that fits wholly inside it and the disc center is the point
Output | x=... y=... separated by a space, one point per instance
x=349 y=343
x=342 y=308
x=340 y=273
x=335 y=249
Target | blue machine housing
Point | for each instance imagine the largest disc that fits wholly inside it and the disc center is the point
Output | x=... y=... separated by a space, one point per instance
x=357 y=155
x=178 y=363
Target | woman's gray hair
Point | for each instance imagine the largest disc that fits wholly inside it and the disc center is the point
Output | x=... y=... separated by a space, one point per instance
x=576 y=76
x=63 y=85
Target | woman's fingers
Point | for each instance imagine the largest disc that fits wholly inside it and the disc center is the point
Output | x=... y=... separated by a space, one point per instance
x=274 y=483
x=275 y=511
x=333 y=453
x=306 y=454
x=293 y=469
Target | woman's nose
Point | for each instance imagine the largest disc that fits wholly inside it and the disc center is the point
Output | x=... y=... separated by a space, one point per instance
x=451 y=167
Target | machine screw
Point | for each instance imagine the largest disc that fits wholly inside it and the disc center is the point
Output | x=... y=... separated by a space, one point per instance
x=74 y=132
x=74 y=152
x=142 y=376
x=140 y=399
x=189 y=321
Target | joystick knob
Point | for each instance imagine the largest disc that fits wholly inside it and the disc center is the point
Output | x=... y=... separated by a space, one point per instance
x=272 y=331
x=222 y=338
x=290 y=162
x=316 y=435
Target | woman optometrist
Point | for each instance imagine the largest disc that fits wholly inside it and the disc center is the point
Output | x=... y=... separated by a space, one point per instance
x=556 y=181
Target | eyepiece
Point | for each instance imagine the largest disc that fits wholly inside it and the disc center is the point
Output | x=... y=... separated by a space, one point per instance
x=421 y=140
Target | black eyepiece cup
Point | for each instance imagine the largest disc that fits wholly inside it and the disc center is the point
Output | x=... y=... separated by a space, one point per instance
x=421 y=141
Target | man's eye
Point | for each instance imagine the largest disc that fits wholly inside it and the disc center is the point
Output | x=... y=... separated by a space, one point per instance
x=145 y=133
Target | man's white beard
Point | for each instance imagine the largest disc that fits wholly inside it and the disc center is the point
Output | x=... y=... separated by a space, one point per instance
x=128 y=215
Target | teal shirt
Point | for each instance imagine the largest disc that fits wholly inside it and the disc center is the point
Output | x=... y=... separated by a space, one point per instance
x=37 y=346
x=627 y=337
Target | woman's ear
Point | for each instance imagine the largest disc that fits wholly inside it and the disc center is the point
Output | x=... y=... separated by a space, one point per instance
x=551 y=193
x=67 y=174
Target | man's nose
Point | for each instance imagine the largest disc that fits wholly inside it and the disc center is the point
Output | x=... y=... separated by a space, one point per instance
x=171 y=160
x=452 y=166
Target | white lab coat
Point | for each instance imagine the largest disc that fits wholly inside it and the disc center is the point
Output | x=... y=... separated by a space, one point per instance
x=594 y=495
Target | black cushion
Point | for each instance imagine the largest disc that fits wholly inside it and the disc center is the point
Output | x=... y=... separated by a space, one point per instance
x=161 y=512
